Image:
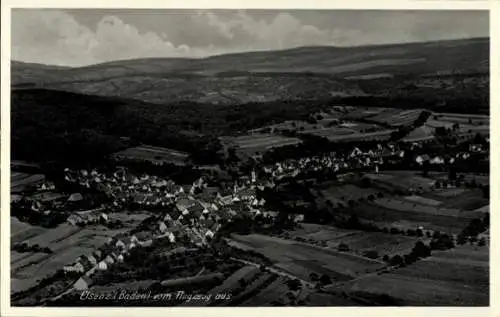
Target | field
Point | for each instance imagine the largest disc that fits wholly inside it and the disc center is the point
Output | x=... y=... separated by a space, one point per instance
x=401 y=180
x=358 y=242
x=258 y=143
x=378 y=135
x=19 y=181
x=396 y=117
x=422 y=133
x=422 y=200
x=67 y=243
x=153 y=154
x=467 y=199
x=273 y=292
x=397 y=213
x=20 y=231
x=301 y=259
x=343 y=193
x=458 y=277
x=468 y=125
x=116 y=287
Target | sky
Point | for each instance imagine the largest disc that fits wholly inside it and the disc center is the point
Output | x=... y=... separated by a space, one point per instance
x=78 y=37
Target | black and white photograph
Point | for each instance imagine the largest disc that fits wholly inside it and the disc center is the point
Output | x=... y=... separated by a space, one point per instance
x=249 y=158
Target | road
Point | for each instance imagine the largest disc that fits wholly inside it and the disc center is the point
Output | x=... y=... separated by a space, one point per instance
x=276 y=271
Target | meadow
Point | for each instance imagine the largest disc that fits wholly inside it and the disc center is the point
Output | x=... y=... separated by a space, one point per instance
x=67 y=243
x=301 y=259
x=258 y=142
x=19 y=181
x=358 y=242
x=154 y=154
x=456 y=277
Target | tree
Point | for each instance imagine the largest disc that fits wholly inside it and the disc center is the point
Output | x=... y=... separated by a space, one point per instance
x=411 y=232
x=394 y=231
x=461 y=239
x=410 y=258
x=314 y=277
x=436 y=234
x=372 y=254
x=481 y=242
x=486 y=220
x=242 y=282
x=420 y=250
x=294 y=285
x=343 y=247
x=396 y=260
x=452 y=173
x=325 y=280
x=351 y=203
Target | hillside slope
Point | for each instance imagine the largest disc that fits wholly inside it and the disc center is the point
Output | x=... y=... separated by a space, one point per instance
x=300 y=73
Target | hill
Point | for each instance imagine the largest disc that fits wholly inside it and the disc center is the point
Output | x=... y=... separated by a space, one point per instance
x=300 y=73
x=55 y=125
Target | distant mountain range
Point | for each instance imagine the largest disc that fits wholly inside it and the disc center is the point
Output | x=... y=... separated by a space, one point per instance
x=299 y=73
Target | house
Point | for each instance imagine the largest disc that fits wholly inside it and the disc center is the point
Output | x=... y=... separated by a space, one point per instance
x=76 y=267
x=83 y=283
x=87 y=265
x=114 y=256
x=174 y=215
x=75 y=197
x=247 y=194
x=207 y=223
x=171 y=237
x=209 y=234
x=299 y=218
x=271 y=214
x=120 y=258
x=91 y=271
x=97 y=254
x=167 y=217
x=143 y=238
x=120 y=244
x=215 y=227
x=92 y=259
x=102 y=266
x=437 y=160
x=420 y=159
x=75 y=220
x=104 y=217
x=196 y=210
x=108 y=260
x=184 y=203
x=162 y=227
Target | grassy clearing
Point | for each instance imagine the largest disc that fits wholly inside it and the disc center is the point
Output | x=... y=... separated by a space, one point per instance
x=404 y=180
x=274 y=291
x=422 y=200
x=347 y=192
x=419 y=292
x=384 y=216
x=298 y=257
x=154 y=154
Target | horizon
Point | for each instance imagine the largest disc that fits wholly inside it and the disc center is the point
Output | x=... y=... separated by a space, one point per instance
x=257 y=51
x=85 y=37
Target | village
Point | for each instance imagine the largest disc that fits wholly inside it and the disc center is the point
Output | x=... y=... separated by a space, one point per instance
x=191 y=215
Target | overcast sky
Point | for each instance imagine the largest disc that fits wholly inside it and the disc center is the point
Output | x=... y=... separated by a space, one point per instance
x=85 y=36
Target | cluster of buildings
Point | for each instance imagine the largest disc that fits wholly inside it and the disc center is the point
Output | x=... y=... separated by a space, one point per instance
x=333 y=161
x=373 y=159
